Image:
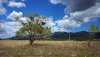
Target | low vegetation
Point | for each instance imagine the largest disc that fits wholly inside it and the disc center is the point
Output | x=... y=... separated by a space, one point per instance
x=49 y=48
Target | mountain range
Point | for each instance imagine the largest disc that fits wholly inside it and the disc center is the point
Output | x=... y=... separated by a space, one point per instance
x=82 y=35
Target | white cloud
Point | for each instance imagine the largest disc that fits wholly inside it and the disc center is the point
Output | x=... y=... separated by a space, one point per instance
x=16 y=4
x=9 y=29
x=64 y=2
x=24 y=19
x=76 y=18
x=14 y=15
x=2 y=10
x=53 y=25
x=18 y=15
x=12 y=3
x=86 y=15
x=68 y=24
x=57 y=28
x=55 y=1
x=50 y=22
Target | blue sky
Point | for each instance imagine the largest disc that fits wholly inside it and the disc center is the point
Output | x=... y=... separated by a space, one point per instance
x=44 y=8
x=64 y=15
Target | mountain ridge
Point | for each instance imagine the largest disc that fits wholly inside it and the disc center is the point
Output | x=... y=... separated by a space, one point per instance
x=83 y=35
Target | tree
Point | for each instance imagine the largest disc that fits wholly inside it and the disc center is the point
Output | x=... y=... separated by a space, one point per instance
x=33 y=28
x=92 y=30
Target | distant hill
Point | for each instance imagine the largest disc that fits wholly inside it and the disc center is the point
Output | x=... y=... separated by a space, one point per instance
x=17 y=38
x=82 y=35
x=97 y=35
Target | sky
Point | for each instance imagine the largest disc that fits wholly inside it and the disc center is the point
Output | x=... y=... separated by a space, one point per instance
x=64 y=15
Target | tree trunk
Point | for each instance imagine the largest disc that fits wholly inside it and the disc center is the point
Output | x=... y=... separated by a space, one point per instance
x=30 y=42
x=89 y=43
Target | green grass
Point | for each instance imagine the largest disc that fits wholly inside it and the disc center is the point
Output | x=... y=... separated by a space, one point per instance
x=49 y=48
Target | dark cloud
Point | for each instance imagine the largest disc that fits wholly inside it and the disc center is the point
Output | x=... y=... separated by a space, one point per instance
x=76 y=5
x=83 y=11
x=78 y=18
x=81 y=5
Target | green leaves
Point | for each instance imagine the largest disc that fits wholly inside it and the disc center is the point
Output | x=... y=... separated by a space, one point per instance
x=38 y=28
x=22 y=31
x=92 y=30
x=31 y=18
x=36 y=15
x=33 y=27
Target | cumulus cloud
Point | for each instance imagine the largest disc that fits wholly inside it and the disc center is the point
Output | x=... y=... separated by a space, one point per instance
x=24 y=19
x=53 y=25
x=68 y=24
x=84 y=16
x=14 y=15
x=9 y=29
x=18 y=15
x=80 y=17
x=2 y=9
x=81 y=11
x=50 y=22
x=11 y=3
x=16 y=4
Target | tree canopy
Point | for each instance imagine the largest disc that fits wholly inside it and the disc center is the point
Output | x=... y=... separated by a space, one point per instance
x=33 y=27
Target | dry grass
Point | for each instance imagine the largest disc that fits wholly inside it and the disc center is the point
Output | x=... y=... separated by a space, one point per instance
x=49 y=48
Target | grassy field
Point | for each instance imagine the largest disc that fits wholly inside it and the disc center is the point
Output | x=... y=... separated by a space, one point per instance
x=49 y=48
